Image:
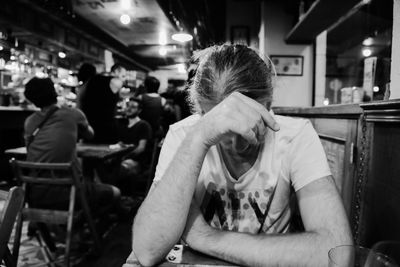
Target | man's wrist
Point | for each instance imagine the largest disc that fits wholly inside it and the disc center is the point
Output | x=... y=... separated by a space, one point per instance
x=196 y=138
x=206 y=239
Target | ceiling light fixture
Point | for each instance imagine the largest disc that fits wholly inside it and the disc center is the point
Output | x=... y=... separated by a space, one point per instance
x=182 y=37
x=162 y=38
x=162 y=51
x=61 y=54
x=366 y=52
x=1 y=47
x=368 y=41
x=126 y=4
x=125 y=19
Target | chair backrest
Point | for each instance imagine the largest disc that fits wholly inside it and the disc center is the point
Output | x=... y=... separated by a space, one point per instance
x=154 y=160
x=58 y=174
x=12 y=202
x=45 y=173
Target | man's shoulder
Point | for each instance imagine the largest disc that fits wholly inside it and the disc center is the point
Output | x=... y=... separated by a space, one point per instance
x=291 y=127
x=144 y=123
x=32 y=118
x=69 y=112
x=185 y=123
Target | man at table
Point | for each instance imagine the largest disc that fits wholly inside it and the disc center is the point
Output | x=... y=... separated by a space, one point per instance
x=136 y=132
x=55 y=142
x=223 y=179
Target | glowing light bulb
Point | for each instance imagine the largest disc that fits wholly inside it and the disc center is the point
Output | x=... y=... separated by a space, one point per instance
x=61 y=55
x=126 y=4
x=181 y=68
x=368 y=41
x=366 y=52
x=162 y=39
x=162 y=51
x=125 y=19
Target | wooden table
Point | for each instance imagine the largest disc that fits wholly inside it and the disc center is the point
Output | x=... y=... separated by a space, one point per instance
x=95 y=151
x=189 y=257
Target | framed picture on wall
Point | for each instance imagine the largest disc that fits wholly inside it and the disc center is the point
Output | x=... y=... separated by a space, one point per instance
x=240 y=35
x=288 y=65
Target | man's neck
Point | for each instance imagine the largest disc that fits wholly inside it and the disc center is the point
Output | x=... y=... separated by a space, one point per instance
x=133 y=121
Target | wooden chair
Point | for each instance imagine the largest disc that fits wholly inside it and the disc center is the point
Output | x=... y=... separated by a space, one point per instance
x=13 y=201
x=147 y=175
x=53 y=174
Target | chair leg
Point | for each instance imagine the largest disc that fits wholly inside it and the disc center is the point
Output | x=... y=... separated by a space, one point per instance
x=9 y=259
x=48 y=240
x=68 y=240
x=17 y=238
x=91 y=225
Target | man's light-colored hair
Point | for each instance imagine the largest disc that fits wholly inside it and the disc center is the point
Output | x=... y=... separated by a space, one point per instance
x=224 y=69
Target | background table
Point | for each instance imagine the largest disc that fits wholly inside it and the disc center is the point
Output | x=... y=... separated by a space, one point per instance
x=96 y=151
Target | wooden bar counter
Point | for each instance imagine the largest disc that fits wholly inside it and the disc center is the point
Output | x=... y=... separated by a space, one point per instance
x=362 y=143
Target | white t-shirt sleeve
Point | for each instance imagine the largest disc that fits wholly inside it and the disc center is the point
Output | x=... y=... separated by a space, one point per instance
x=306 y=158
x=171 y=143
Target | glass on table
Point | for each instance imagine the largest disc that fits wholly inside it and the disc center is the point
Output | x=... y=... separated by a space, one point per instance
x=356 y=256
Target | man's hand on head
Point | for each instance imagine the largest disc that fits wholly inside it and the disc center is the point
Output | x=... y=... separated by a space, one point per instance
x=236 y=114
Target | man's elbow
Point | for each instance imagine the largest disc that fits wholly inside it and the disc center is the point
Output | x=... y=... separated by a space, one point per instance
x=145 y=252
x=145 y=255
x=333 y=239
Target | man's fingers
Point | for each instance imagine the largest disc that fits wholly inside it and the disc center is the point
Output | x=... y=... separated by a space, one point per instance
x=246 y=133
x=267 y=117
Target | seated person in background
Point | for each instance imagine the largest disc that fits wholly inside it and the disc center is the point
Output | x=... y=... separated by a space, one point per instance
x=137 y=132
x=153 y=105
x=55 y=142
x=223 y=179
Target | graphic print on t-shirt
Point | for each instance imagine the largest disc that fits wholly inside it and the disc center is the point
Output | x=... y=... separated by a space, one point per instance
x=246 y=210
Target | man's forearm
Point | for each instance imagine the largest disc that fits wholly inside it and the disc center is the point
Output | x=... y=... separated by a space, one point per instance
x=302 y=249
x=161 y=219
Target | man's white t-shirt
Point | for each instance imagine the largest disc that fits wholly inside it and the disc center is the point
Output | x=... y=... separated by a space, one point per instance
x=258 y=201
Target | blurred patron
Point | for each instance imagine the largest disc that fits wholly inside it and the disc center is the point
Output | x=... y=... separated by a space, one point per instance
x=99 y=103
x=86 y=71
x=55 y=142
x=153 y=105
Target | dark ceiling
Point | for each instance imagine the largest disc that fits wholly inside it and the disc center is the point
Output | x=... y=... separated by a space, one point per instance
x=138 y=42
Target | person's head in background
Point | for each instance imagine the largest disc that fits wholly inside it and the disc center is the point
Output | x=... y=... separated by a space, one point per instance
x=118 y=71
x=133 y=108
x=86 y=71
x=41 y=92
x=224 y=69
x=152 y=84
